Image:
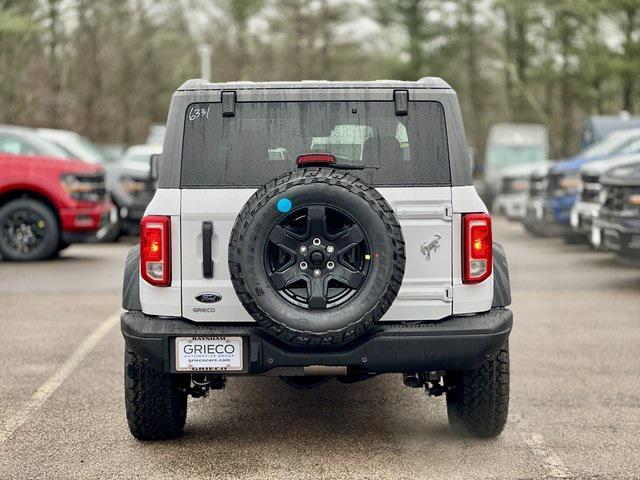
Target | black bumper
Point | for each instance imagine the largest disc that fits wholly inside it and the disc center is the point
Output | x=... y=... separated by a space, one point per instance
x=622 y=236
x=455 y=343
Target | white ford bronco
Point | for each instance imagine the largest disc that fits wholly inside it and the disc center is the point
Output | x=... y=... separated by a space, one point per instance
x=315 y=231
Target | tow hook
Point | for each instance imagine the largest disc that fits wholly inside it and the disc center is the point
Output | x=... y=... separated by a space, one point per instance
x=433 y=382
x=202 y=383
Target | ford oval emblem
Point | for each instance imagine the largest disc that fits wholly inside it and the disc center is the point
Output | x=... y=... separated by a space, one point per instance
x=209 y=297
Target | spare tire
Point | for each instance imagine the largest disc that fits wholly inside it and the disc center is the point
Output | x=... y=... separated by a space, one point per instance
x=316 y=257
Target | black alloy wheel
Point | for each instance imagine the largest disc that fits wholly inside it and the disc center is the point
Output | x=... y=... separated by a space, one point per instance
x=23 y=230
x=28 y=230
x=317 y=257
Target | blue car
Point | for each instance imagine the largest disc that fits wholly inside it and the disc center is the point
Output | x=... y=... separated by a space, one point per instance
x=564 y=184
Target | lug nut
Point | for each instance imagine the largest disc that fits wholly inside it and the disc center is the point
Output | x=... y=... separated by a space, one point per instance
x=303 y=265
x=316 y=241
x=317 y=272
x=330 y=249
x=303 y=249
x=330 y=265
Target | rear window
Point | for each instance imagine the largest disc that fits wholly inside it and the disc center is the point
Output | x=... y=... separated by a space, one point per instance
x=264 y=139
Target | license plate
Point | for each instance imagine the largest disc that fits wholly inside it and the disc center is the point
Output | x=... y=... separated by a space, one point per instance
x=208 y=354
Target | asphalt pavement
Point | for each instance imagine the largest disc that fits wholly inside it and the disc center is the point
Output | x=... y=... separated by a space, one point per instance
x=575 y=402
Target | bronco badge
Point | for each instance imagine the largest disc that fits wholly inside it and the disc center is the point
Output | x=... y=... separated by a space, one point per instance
x=209 y=297
x=431 y=246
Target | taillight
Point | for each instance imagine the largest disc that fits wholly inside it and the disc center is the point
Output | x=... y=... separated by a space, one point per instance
x=315 y=159
x=477 y=247
x=155 y=250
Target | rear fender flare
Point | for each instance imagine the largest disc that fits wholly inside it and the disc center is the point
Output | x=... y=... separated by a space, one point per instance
x=131 y=281
x=501 y=284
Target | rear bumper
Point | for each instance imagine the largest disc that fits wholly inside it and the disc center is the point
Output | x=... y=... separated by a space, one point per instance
x=456 y=343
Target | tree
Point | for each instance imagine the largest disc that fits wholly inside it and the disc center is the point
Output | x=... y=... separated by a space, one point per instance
x=411 y=17
x=625 y=14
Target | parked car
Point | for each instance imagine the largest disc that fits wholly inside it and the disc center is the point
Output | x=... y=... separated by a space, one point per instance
x=260 y=255
x=47 y=201
x=127 y=181
x=618 y=224
x=564 y=182
x=111 y=152
x=588 y=205
x=511 y=200
x=512 y=145
x=598 y=127
x=533 y=220
x=131 y=187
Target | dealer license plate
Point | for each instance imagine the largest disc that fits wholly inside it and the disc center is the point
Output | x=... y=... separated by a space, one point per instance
x=207 y=354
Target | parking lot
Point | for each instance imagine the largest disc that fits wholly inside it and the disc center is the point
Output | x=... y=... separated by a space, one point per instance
x=575 y=402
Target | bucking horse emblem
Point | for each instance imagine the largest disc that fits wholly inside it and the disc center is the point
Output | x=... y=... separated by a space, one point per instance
x=432 y=246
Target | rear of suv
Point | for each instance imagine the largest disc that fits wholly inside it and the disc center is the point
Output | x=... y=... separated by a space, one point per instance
x=315 y=231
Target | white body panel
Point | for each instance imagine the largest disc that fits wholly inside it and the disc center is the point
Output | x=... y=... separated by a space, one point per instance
x=220 y=207
x=471 y=298
x=423 y=214
x=166 y=301
x=431 y=289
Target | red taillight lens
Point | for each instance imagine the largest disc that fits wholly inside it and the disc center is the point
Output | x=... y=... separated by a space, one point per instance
x=155 y=250
x=311 y=159
x=477 y=247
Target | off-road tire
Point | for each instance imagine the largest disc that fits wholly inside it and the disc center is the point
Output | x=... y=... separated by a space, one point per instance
x=478 y=402
x=156 y=403
x=244 y=249
x=49 y=244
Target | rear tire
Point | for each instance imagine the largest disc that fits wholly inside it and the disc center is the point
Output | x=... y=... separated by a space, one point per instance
x=156 y=403
x=478 y=403
x=45 y=227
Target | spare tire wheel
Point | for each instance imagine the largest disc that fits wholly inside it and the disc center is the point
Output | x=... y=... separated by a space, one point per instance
x=316 y=256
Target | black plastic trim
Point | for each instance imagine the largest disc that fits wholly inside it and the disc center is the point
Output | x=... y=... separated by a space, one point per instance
x=455 y=343
x=207 y=260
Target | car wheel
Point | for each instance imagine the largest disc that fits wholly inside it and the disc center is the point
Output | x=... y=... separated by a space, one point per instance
x=29 y=231
x=478 y=401
x=156 y=403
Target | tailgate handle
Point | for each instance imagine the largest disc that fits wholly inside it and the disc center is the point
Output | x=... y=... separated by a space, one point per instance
x=207 y=261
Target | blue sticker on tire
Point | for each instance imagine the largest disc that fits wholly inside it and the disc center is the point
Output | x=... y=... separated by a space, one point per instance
x=284 y=205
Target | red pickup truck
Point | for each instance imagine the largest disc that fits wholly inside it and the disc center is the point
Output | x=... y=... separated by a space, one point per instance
x=47 y=201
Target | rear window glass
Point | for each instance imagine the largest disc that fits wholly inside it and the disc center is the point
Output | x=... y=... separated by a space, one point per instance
x=264 y=139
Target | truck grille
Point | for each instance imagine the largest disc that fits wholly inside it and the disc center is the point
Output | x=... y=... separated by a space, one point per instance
x=618 y=197
x=513 y=184
x=537 y=185
x=553 y=183
x=98 y=192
